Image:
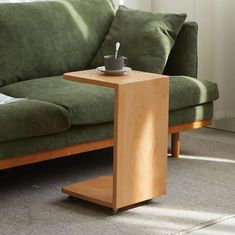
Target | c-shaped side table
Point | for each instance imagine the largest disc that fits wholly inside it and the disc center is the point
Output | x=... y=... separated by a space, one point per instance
x=140 y=140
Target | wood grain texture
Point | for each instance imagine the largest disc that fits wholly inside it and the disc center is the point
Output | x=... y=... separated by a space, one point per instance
x=95 y=77
x=188 y=126
x=98 y=190
x=175 y=145
x=57 y=153
x=140 y=137
x=140 y=141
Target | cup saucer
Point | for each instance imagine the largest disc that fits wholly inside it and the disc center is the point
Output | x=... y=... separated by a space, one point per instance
x=114 y=72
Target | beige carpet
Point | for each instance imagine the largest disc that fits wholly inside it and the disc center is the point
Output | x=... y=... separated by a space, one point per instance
x=201 y=191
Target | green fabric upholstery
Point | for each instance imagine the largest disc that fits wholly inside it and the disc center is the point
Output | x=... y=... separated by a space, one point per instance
x=48 y=38
x=192 y=114
x=87 y=104
x=146 y=38
x=76 y=135
x=28 y=118
x=41 y=40
x=187 y=92
x=183 y=59
x=82 y=134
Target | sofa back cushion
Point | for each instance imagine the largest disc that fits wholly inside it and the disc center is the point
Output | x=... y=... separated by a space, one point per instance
x=146 y=38
x=45 y=38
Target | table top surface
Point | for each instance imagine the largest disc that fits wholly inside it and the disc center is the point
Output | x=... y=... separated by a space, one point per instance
x=96 y=77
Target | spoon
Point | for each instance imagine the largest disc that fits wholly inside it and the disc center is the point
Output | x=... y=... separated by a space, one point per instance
x=117 y=49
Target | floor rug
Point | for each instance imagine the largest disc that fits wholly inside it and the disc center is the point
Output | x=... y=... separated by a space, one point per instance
x=201 y=191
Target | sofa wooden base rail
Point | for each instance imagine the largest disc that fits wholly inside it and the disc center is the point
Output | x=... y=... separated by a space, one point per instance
x=86 y=147
x=175 y=134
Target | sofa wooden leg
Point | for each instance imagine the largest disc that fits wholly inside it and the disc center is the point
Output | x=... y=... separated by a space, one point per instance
x=175 y=145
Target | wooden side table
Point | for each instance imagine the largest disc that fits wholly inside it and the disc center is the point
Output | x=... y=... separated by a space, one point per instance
x=140 y=140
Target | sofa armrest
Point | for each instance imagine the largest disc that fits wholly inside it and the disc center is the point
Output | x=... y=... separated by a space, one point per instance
x=183 y=59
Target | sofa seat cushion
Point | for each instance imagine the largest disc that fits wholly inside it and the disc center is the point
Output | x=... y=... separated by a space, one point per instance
x=192 y=114
x=87 y=104
x=187 y=92
x=31 y=118
x=73 y=136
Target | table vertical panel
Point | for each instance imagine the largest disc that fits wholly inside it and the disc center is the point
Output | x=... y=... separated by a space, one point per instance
x=140 y=141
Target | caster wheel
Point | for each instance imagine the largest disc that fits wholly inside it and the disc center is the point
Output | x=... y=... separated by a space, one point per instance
x=115 y=211
x=148 y=201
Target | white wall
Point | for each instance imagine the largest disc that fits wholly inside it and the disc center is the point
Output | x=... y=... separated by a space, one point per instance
x=216 y=44
x=136 y=4
x=223 y=55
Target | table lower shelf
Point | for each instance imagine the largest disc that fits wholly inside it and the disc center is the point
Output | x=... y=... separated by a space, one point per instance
x=98 y=190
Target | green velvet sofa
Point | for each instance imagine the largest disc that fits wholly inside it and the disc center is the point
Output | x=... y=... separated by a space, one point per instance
x=39 y=41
